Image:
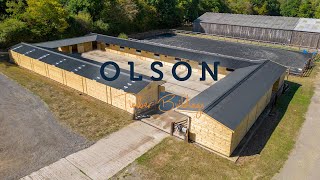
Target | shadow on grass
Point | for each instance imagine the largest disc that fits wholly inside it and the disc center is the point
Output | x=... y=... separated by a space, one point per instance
x=259 y=134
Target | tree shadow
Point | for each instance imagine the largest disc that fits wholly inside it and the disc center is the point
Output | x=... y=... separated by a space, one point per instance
x=259 y=134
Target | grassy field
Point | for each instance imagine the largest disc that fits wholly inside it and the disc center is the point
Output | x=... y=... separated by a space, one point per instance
x=83 y=114
x=263 y=157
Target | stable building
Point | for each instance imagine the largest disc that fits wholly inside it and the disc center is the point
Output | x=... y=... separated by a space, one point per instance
x=84 y=76
x=231 y=105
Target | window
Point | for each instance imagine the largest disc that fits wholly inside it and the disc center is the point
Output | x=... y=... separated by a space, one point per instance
x=177 y=59
x=138 y=51
x=121 y=48
x=157 y=56
x=107 y=45
x=229 y=69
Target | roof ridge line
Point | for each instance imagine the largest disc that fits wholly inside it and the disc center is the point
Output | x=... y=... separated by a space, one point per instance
x=219 y=99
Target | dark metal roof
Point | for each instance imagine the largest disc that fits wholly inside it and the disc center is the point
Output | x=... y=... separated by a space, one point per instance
x=68 y=42
x=232 y=98
x=270 y=22
x=83 y=67
x=292 y=59
x=210 y=58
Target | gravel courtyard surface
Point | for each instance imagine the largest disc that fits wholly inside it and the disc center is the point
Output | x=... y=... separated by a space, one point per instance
x=253 y=52
x=30 y=136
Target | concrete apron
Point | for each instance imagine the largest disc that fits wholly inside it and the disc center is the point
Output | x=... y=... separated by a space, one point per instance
x=106 y=157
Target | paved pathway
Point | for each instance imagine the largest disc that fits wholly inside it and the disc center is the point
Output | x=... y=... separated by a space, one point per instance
x=106 y=157
x=304 y=161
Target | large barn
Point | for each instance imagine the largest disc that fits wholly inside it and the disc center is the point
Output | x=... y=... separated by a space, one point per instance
x=300 y=32
x=231 y=105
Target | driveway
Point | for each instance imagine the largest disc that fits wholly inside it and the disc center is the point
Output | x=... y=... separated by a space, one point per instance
x=304 y=160
x=30 y=136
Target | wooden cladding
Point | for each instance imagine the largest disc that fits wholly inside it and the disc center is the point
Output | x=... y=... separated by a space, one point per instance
x=288 y=37
x=110 y=95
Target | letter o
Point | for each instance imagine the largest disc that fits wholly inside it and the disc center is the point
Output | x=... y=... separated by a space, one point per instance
x=104 y=65
x=174 y=68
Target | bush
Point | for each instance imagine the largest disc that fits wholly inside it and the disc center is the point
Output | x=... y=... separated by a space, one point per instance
x=123 y=36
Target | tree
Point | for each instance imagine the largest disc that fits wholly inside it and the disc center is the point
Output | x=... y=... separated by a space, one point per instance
x=306 y=9
x=240 y=6
x=46 y=18
x=13 y=31
x=290 y=8
x=266 y=7
x=15 y=8
x=169 y=14
x=91 y=6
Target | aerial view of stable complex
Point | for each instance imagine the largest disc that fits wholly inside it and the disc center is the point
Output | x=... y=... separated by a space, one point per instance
x=249 y=88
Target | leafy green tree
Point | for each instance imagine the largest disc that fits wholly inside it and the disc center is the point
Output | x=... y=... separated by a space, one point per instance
x=266 y=7
x=46 y=18
x=15 y=8
x=290 y=8
x=306 y=9
x=169 y=14
x=91 y=6
x=240 y=6
x=13 y=31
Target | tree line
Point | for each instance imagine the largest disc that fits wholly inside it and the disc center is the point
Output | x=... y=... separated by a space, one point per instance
x=42 y=20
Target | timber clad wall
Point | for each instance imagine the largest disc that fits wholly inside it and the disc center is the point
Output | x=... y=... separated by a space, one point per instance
x=209 y=132
x=300 y=32
x=212 y=134
x=80 y=48
x=115 y=97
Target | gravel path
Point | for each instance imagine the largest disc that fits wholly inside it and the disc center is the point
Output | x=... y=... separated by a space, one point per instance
x=30 y=136
x=304 y=160
x=253 y=52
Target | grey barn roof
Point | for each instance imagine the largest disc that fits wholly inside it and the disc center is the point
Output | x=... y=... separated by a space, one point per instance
x=269 y=22
x=273 y=22
x=232 y=98
x=83 y=67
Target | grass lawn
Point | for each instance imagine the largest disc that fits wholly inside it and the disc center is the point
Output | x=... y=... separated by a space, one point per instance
x=83 y=114
x=264 y=156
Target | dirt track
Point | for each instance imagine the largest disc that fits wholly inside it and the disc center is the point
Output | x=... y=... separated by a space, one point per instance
x=30 y=136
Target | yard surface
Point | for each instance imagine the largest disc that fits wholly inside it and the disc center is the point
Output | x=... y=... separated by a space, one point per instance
x=264 y=156
x=85 y=115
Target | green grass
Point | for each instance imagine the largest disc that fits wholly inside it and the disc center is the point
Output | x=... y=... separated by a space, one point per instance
x=88 y=116
x=262 y=159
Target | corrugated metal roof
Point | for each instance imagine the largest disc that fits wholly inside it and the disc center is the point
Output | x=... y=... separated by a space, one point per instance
x=232 y=98
x=308 y=25
x=272 y=22
x=269 y=22
x=83 y=67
